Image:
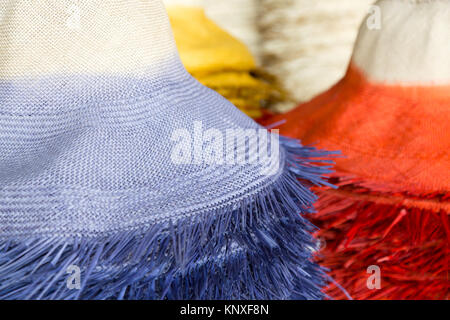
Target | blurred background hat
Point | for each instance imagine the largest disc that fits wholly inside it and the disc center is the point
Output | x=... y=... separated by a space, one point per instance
x=219 y=60
x=308 y=44
x=390 y=117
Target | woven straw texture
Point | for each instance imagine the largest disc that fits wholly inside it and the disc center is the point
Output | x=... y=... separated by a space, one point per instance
x=390 y=117
x=365 y=114
x=91 y=92
x=59 y=151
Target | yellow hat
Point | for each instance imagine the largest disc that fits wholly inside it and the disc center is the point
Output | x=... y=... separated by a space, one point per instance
x=220 y=61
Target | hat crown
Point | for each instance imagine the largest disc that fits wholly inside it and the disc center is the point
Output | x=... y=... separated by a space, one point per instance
x=91 y=121
x=406 y=42
x=49 y=37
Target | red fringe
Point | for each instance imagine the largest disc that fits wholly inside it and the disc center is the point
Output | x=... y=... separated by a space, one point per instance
x=409 y=244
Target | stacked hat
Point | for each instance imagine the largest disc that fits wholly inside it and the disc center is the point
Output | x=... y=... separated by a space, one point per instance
x=387 y=228
x=308 y=44
x=239 y=18
x=122 y=177
x=220 y=61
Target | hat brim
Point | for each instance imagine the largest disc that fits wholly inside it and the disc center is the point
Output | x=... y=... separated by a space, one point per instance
x=395 y=135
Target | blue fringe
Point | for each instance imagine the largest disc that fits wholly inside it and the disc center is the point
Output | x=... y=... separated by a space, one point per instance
x=261 y=250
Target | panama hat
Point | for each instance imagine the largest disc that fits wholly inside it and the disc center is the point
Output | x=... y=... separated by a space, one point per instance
x=390 y=118
x=112 y=180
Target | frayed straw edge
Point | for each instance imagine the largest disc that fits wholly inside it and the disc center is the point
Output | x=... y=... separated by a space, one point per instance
x=276 y=262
